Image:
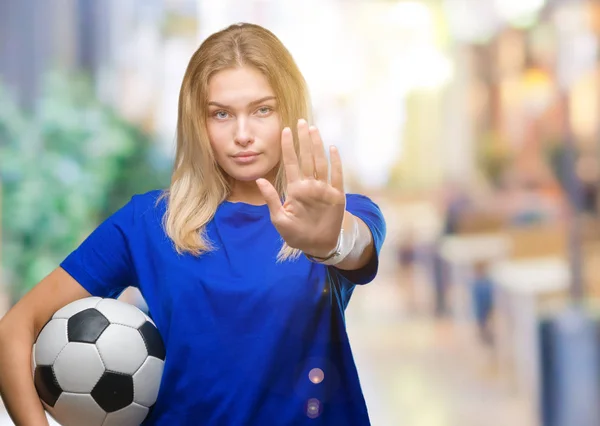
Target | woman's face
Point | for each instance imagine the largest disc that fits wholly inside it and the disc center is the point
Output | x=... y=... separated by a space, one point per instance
x=243 y=123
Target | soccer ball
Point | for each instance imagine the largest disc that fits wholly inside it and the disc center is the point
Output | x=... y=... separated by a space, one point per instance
x=98 y=362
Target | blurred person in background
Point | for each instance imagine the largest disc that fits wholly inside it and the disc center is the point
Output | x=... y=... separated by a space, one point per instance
x=407 y=252
x=482 y=297
x=455 y=205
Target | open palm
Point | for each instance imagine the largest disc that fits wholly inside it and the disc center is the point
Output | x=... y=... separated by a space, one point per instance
x=311 y=217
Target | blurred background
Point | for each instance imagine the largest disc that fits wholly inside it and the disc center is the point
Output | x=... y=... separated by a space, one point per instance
x=473 y=123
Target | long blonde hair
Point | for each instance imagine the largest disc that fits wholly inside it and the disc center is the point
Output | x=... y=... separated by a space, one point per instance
x=198 y=185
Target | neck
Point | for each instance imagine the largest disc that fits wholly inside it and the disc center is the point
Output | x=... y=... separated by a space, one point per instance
x=254 y=199
x=248 y=192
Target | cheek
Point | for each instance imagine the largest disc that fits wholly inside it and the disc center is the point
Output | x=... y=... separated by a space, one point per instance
x=274 y=146
x=273 y=136
x=217 y=139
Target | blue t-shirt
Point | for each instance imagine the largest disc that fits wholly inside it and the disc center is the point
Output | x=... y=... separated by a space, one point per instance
x=241 y=331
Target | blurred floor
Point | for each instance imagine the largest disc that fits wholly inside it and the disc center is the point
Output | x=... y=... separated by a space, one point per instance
x=419 y=372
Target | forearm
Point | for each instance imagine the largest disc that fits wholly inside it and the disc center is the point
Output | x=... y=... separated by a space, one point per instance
x=363 y=248
x=16 y=379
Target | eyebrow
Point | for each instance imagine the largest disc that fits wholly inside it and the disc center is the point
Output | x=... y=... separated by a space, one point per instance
x=258 y=101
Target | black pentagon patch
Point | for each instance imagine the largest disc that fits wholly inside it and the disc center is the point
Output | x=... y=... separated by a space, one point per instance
x=150 y=411
x=86 y=326
x=154 y=343
x=46 y=385
x=113 y=391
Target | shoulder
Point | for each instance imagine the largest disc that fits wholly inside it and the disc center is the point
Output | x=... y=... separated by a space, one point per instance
x=142 y=206
x=358 y=198
x=369 y=212
x=361 y=203
x=150 y=200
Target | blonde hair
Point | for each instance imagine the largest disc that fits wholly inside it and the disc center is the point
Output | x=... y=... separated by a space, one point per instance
x=198 y=185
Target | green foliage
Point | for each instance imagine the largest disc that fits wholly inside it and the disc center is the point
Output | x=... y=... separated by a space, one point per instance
x=63 y=170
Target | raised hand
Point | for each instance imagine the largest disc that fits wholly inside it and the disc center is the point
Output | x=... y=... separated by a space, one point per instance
x=311 y=217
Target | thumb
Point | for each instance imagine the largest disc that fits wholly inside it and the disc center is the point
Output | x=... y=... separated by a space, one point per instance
x=271 y=196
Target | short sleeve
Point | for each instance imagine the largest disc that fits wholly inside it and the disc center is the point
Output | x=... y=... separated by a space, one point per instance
x=102 y=264
x=369 y=212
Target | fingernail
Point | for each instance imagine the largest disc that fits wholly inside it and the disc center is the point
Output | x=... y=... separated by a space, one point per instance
x=302 y=121
x=313 y=128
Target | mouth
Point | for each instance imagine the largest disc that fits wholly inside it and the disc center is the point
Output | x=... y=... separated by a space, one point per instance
x=245 y=157
x=245 y=154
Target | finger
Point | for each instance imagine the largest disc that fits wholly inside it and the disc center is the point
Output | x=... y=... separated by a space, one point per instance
x=320 y=159
x=306 y=156
x=290 y=160
x=337 y=176
x=271 y=196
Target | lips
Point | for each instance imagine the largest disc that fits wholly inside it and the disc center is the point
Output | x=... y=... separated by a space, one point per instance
x=245 y=157
x=245 y=154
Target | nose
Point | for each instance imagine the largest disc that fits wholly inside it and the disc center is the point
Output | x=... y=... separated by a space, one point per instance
x=243 y=135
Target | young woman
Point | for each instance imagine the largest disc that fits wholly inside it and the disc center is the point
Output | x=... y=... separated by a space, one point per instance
x=247 y=261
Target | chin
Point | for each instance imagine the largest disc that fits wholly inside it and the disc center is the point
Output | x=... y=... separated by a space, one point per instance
x=247 y=176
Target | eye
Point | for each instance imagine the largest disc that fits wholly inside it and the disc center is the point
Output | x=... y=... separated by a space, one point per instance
x=264 y=110
x=220 y=115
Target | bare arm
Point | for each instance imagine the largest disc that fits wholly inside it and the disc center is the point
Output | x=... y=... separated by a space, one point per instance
x=364 y=246
x=18 y=330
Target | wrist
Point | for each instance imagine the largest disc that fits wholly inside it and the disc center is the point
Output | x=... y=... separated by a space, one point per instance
x=345 y=244
x=322 y=255
x=326 y=252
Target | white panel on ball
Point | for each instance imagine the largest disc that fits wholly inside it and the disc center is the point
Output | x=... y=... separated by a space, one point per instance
x=74 y=409
x=145 y=379
x=118 y=312
x=33 y=364
x=52 y=339
x=78 y=367
x=133 y=414
x=76 y=307
x=122 y=349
